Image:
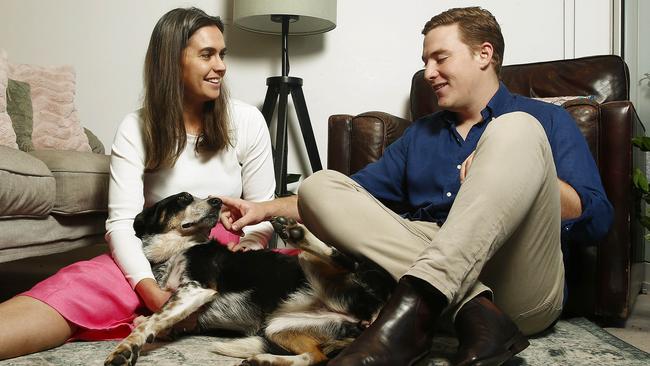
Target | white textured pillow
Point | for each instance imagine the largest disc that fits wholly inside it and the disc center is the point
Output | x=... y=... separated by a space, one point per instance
x=559 y=101
x=7 y=134
x=56 y=121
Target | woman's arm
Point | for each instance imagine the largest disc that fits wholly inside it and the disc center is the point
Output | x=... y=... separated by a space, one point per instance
x=125 y=201
x=151 y=294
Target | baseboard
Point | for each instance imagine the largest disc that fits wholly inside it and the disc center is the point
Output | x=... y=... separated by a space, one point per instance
x=645 y=286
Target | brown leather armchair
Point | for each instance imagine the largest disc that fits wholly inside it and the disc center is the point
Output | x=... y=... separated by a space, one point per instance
x=605 y=277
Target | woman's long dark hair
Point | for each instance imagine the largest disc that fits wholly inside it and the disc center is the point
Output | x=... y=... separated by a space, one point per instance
x=162 y=111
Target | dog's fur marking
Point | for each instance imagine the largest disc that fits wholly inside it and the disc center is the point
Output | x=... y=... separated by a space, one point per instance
x=232 y=311
x=176 y=275
x=310 y=305
x=240 y=347
x=162 y=247
x=323 y=322
x=305 y=346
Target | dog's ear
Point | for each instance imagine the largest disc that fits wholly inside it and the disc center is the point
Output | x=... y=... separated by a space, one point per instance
x=139 y=224
x=152 y=220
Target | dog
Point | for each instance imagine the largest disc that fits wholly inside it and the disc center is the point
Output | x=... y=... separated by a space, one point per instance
x=289 y=310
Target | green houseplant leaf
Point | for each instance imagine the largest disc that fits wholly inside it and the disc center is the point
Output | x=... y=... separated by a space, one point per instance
x=642 y=142
x=640 y=180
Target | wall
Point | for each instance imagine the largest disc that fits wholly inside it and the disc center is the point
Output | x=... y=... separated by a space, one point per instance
x=636 y=52
x=641 y=79
x=104 y=40
x=366 y=63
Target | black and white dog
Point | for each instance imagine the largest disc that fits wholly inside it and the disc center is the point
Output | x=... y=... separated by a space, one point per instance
x=305 y=307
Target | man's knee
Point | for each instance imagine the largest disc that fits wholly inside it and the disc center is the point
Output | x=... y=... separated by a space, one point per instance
x=318 y=185
x=520 y=126
x=316 y=189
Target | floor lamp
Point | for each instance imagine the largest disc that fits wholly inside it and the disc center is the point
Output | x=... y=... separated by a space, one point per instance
x=286 y=17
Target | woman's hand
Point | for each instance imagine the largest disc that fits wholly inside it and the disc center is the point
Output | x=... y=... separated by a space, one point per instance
x=151 y=294
x=244 y=246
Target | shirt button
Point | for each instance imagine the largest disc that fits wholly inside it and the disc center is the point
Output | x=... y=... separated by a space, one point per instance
x=448 y=194
x=458 y=166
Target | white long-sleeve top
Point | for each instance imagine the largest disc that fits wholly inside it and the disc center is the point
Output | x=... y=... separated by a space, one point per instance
x=245 y=170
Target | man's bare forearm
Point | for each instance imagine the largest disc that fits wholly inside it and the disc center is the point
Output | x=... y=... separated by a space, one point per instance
x=241 y=213
x=283 y=206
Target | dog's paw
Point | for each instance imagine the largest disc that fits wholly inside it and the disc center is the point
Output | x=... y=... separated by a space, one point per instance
x=254 y=362
x=351 y=329
x=123 y=355
x=266 y=359
x=288 y=229
x=139 y=320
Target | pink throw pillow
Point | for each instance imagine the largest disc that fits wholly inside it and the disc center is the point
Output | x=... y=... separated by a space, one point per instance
x=56 y=121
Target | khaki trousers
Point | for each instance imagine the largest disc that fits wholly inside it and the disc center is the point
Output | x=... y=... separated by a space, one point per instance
x=502 y=234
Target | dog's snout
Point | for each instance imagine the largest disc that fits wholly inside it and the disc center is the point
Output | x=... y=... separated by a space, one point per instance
x=214 y=202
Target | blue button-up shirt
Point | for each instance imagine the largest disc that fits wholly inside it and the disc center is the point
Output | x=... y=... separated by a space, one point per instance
x=420 y=171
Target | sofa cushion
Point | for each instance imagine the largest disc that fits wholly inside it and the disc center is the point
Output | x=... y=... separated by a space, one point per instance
x=81 y=180
x=7 y=135
x=28 y=188
x=28 y=237
x=560 y=101
x=19 y=107
x=95 y=144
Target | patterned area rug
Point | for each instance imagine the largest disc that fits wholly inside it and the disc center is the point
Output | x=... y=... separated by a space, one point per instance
x=574 y=342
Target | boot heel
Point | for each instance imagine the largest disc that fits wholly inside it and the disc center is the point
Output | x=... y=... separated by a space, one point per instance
x=520 y=343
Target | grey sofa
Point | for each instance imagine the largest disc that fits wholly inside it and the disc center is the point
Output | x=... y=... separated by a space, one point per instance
x=52 y=201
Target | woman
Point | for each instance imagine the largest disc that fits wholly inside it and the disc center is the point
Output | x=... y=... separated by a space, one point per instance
x=187 y=137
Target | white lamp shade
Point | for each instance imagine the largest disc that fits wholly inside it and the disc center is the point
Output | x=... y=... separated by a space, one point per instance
x=315 y=16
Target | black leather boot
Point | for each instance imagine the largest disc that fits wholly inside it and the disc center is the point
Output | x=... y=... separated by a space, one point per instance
x=403 y=331
x=486 y=335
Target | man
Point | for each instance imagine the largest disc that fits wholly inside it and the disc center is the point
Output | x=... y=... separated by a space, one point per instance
x=490 y=181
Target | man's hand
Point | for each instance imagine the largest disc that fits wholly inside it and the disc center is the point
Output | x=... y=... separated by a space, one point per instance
x=239 y=213
x=464 y=167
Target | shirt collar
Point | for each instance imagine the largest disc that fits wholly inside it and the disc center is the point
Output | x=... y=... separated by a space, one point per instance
x=497 y=106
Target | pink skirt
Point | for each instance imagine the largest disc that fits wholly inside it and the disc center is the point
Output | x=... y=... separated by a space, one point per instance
x=95 y=296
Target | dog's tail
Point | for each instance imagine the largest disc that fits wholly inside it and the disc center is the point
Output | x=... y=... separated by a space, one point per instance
x=241 y=347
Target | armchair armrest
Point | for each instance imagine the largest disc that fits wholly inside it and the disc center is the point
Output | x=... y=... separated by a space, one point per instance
x=355 y=141
x=618 y=158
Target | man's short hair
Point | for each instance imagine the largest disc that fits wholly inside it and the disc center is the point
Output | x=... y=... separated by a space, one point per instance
x=476 y=26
